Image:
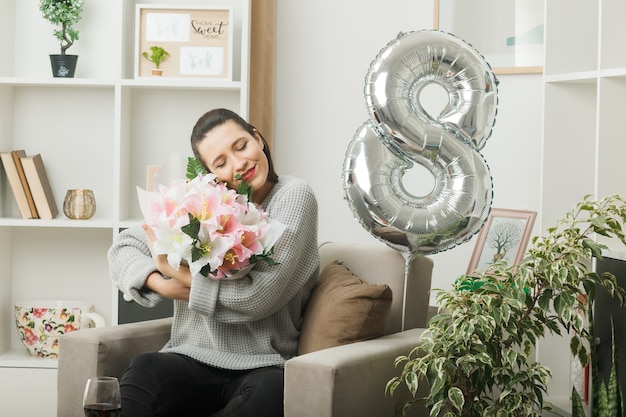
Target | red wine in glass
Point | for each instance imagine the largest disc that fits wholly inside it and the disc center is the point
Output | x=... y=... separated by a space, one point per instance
x=102 y=410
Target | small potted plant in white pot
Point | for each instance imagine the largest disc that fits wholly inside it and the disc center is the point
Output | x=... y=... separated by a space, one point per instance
x=63 y=14
x=157 y=55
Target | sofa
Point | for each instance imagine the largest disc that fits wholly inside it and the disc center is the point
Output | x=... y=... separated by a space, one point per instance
x=348 y=379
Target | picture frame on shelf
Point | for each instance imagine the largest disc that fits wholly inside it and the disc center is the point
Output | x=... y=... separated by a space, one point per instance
x=508 y=33
x=504 y=235
x=151 y=175
x=198 y=39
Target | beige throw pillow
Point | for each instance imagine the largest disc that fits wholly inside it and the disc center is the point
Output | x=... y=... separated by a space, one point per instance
x=343 y=309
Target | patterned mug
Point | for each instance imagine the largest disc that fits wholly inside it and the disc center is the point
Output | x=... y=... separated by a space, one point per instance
x=41 y=322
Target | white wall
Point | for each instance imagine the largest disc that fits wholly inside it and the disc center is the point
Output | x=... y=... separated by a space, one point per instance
x=323 y=52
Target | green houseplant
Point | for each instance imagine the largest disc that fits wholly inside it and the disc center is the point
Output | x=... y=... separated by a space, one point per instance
x=63 y=14
x=157 y=55
x=606 y=395
x=476 y=353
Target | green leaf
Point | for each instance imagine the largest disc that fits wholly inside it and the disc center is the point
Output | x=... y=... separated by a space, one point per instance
x=266 y=257
x=392 y=385
x=511 y=356
x=411 y=381
x=467 y=363
x=437 y=386
x=405 y=407
x=484 y=358
x=194 y=168
x=244 y=188
x=506 y=313
x=602 y=399
x=455 y=395
x=192 y=228
x=206 y=270
x=436 y=409
x=559 y=305
x=544 y=299
x=593 y=246
x=502 y=413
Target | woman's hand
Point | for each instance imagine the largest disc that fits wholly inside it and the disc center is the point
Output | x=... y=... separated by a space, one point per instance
x=182 y=274
x=168 y=288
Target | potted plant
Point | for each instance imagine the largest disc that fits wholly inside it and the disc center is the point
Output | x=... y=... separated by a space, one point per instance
x=606 y=395
x=158 y=55
x=475 y=355
x=63 y=14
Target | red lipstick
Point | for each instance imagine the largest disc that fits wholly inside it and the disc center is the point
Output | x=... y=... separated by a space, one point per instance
x=248 y=174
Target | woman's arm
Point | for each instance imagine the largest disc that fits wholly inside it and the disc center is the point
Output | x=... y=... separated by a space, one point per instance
x=168 y=288
x=134 y=272
x=176 y=286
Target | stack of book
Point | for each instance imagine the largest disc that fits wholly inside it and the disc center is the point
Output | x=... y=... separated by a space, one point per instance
x=30 y=185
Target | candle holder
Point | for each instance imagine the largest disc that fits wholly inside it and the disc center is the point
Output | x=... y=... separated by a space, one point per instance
x=79 y=204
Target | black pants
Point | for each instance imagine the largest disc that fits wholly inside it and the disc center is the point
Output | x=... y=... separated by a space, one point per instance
x=167 y=384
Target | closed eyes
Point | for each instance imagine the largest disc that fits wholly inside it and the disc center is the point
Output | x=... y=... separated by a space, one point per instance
x=240 y=146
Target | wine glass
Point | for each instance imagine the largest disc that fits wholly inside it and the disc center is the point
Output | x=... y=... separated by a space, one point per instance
x=102 y=397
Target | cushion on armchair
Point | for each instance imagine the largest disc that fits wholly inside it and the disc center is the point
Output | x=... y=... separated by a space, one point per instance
x=343 y=309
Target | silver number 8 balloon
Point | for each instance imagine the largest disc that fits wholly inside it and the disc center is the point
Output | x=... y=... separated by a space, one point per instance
x=401 y=133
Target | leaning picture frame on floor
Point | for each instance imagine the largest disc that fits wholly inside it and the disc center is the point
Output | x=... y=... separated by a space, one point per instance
x=199 y=40
x=504 y=236
x=508 y=33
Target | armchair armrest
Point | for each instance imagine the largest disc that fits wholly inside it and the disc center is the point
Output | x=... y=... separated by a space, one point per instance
x=102 y=351
x=349 y=380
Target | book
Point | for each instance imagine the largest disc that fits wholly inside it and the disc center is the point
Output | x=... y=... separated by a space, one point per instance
x=20 y=171
x=39 y=184
x=16 y=184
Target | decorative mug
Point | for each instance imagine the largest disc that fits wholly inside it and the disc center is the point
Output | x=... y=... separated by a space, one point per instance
x=79 y=204
x=41 y=322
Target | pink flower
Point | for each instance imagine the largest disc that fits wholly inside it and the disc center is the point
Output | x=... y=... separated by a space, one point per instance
x=69 y=328
x=210 y=227
x=30 y=337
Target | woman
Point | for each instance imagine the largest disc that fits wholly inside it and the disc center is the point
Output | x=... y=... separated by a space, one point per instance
x=229 y=339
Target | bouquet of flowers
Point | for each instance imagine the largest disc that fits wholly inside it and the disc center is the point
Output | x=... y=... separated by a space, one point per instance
x=219 y=232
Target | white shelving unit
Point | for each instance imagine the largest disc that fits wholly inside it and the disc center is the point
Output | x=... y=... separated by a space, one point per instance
x=584 y=143
x=99 y=130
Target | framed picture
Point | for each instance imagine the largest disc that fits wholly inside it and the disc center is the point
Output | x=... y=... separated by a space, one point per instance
x=508 y=33
x=151 y=175
x=199 y=40
x=504 y=235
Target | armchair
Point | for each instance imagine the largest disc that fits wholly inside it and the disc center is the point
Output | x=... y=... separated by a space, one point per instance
x=339 y=381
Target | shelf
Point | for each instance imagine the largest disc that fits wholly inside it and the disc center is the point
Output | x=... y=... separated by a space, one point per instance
x=57 y=82
x=128 y=223
x=583 y=146
x=585 y=77
x=57 y=222
x=20 y=358
x=182 y=83
x=613 y=73
x=98 y=131
x=156 y=82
